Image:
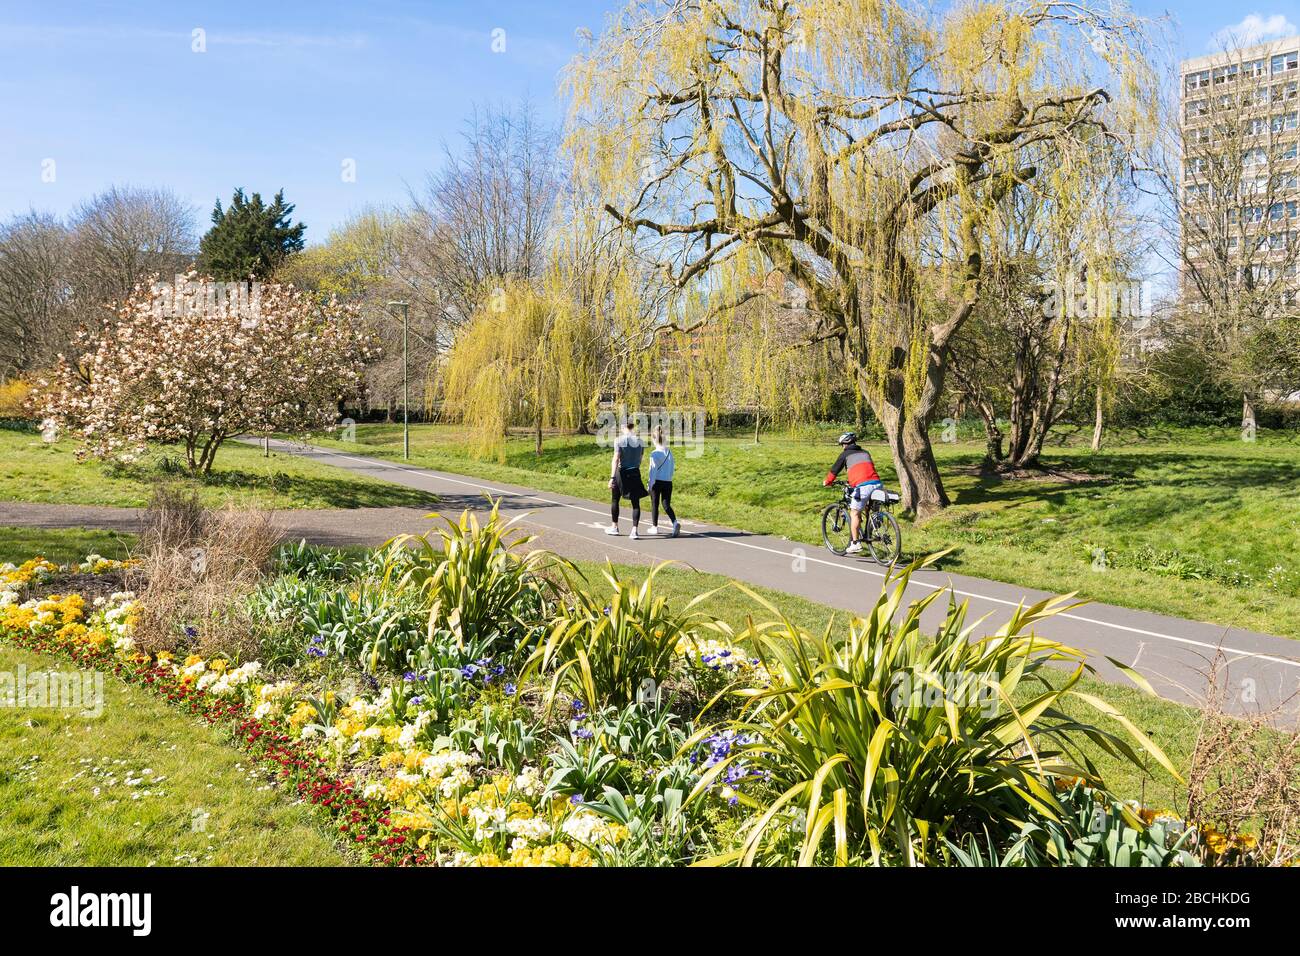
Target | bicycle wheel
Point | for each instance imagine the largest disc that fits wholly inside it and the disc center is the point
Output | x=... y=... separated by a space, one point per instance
x=836 y=528
x=883 y=538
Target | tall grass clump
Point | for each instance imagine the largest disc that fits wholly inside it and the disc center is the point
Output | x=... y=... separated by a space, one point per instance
x=196 y=568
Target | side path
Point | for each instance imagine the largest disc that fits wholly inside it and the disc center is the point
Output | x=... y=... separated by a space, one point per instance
x=1260 y=671
x=338 y=527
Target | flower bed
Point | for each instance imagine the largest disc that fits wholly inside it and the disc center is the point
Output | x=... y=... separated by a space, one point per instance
x=482 y=735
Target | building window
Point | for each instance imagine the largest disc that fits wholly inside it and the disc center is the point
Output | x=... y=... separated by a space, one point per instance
x=1285 y=62
x=1225 y=74
x=1284 y=121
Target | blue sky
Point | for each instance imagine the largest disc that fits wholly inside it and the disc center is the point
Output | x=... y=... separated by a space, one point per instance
x=287 y=91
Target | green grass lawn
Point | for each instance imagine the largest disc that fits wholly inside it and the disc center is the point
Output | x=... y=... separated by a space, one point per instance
x=31 y=470
x=140 y=785
x=1194 y=523
x=62 y=545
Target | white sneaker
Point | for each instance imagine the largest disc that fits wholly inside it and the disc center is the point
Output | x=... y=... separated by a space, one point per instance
x=612 y=529
x=677 y=528
x=854 y=548
x=634 y=535
x=653 y=529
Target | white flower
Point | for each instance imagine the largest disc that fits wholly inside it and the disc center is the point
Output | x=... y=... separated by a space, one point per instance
x=588 y=827
x=529 y=782
x=529 y=830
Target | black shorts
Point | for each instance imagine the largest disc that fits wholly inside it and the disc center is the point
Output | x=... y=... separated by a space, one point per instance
x=630 y=485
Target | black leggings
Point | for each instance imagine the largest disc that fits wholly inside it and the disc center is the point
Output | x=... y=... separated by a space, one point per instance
x=615 y=495
x=661 y=491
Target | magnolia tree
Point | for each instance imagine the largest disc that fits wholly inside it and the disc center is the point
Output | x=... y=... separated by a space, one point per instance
x=199 y=361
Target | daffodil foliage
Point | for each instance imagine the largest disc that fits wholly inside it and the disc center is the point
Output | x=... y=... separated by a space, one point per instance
x=858 y=147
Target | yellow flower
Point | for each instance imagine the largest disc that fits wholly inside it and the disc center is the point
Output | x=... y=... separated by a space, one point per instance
x=413 y=759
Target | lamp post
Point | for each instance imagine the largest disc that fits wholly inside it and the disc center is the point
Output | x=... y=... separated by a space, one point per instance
x=406 y=378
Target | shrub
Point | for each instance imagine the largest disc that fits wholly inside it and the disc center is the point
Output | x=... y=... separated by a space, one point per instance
x=14 y=395
x=1094 y=830
x=476 y=585
x=605 y=653
x=896 y=744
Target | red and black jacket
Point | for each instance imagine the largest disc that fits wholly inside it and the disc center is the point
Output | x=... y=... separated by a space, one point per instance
x=858 y=461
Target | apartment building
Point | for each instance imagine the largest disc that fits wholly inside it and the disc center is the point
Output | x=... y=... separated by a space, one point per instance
x=1241 y=195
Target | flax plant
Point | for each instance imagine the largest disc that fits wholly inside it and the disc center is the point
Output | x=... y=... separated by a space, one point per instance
x=477 y=581
x=879 y=744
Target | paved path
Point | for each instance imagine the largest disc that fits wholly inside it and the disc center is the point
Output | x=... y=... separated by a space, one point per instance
x=1261 y=672
x=338 y=527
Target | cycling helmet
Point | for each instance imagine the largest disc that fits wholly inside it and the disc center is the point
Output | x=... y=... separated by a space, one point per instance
x=848 y=438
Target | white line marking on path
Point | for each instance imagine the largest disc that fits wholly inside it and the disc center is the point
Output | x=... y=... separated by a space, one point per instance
x=424 y=473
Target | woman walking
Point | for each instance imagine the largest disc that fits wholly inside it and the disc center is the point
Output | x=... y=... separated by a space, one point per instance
x=625 y=478
x=661 y=483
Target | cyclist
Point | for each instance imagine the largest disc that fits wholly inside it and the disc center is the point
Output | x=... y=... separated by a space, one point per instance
x=862 y=479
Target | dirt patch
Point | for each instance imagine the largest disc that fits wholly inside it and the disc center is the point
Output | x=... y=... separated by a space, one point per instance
x=89 y=586
x=1043 y=474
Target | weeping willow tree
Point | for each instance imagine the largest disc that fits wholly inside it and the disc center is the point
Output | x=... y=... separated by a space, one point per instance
x=542 y=351
x=859 y=146
x=1114 y=308
x=527 y=357
x=756 y=358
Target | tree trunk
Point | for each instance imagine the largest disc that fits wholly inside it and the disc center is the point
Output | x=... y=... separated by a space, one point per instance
x=920 y=487
x=756 y=420
x=1099 y=422
x=993 y=453
x=929 y=498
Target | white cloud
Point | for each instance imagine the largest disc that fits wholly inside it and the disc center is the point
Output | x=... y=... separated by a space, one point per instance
x=1255 y=28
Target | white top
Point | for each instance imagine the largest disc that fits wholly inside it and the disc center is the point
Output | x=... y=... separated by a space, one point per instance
x=661 y=465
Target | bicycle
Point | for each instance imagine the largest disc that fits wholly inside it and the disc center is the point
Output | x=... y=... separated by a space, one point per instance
x=877 y=529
